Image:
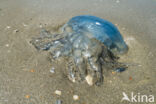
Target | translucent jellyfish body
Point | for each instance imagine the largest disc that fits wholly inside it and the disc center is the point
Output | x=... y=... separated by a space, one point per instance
x=102 y=30
x=87 y=43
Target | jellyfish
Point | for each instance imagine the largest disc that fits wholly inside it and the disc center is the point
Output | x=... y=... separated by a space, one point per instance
x=90 y=44
x=102 y=30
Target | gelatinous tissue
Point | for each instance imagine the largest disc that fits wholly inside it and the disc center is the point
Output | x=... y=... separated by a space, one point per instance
x=91 y=45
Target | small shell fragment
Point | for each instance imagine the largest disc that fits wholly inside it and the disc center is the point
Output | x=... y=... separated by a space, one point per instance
x=113 y=72
x=89 y=80
x=52 y=70
x=58 y=92
x=8 y=27
x=24 y=25
x=27 y=96
x=32 y=70
x=75 y=97
x=130 y=78
x=15 y=31
x=7 y=45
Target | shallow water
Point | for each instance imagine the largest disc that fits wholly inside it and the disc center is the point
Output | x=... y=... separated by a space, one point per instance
x=25 y=71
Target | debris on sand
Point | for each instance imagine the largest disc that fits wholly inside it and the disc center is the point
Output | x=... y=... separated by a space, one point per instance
x=27 y=96
x=7 y=45
x=75 y=97
x=15 y=31
x=113 y=72
x=52 y=70
x=130 y=78
x=8 y=27
x=58 y=102
x=32 y=70
x=58 y=92
x=25 y=25
x=89 y=80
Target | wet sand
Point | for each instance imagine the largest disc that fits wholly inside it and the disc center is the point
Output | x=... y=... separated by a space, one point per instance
x=25 y=76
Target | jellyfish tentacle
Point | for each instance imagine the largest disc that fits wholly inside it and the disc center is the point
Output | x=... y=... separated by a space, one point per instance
x=80 y=63
x=46 y=40
x=96 y=66
x=71 y=70
x=63 y=28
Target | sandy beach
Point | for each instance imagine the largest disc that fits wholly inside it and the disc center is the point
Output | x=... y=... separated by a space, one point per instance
x=25 y=76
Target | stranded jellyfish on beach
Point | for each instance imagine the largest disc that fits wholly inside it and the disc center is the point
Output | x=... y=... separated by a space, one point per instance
x=90 y=44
